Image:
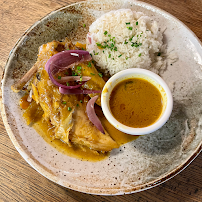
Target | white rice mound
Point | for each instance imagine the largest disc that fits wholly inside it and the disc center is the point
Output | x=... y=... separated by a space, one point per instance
x=133 y=40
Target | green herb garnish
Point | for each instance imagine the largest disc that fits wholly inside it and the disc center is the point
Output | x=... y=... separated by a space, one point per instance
x=79 y=68
x=109 y=56
x=99 y=44
x=100 y=74
x=131 y=38
x=105 y=33
x=137 y=23
x=159 y=54
x=84 y=25
x=59 y=77
x=74 y=73
x=130 y=28
x=64 y=103
x=81 y=101
x=69 y=108
x=120 y=55
x=139 y=55
x=92 y=74
x=127 y=23
x=89 y=64
x=67 y=84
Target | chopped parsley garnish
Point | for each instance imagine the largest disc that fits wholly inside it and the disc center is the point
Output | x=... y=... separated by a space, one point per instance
x=74 y=73
x=159 y=54
x=105 y=33
x=84 y=25
x=131 y=38
x=64 y=103
x=125 y=42
x=137 y=35
x=92 y=74
x=126 y=58
x=139 y=55
x=77 y=105
x=59 y=77
x=79 y=71
x=69 y=108
x=96 y=53
x=67 y=84
x=89 y=64
x=99 y=44
x=109 y=35
x=81 y=101
x=100 y=74
x=120 y=55
x=115 y=48
x=109 y=55
x=137 y=23
x=127 y=23
x=79 y=68
x=130 y=28
x=136 y=44
x=81 y=78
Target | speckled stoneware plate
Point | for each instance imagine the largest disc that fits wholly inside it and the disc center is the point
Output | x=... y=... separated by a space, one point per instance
x=135 y=166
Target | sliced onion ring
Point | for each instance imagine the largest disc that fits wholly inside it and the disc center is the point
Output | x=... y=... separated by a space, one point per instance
x=72 y=78
x=77 y=91
x=64 y=60
x=90 y=110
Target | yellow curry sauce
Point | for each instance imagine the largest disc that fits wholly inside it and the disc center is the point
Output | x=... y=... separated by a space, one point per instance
x=136 y=103
x=46 y=131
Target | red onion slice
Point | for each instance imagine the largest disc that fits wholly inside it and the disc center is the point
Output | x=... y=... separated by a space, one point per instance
x=64 y=60
x=92 y=115
x=77 y=91
x=72 y=78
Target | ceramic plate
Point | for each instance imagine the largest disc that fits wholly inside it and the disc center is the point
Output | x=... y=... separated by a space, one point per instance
x=135 y=166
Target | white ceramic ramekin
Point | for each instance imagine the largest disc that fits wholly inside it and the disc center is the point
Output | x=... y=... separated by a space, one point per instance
x=153 y=78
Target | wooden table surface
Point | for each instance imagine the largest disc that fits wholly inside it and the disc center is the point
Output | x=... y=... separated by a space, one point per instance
x=18 y=180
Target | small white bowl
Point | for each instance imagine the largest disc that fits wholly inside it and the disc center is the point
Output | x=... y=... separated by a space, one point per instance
x=153 y=78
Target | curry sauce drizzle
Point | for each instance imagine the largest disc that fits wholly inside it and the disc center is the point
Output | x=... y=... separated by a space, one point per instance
x=46 y=131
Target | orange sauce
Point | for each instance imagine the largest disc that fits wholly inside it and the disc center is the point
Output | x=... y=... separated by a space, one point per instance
x=46 y=131
x=136 y=103
x=24 y=104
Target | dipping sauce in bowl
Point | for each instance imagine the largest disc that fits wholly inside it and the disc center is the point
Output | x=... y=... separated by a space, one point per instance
x=136 y=101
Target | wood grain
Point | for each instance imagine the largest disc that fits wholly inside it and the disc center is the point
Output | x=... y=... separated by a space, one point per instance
x=19 y=181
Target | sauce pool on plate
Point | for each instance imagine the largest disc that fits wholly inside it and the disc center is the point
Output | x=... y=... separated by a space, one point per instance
x=136 y=103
